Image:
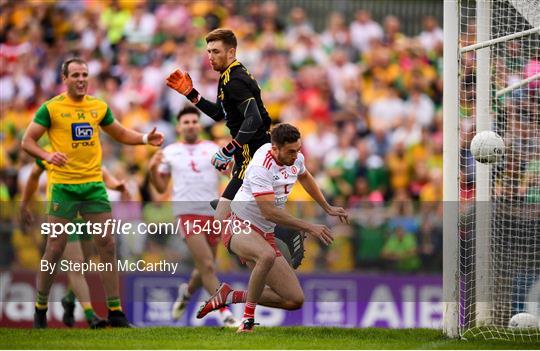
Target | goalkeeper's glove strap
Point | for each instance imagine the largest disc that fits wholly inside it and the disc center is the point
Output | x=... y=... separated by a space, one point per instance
x=193 y=96
x=231 y=147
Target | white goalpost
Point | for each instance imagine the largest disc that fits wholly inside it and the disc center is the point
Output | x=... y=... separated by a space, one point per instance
x=491 y=264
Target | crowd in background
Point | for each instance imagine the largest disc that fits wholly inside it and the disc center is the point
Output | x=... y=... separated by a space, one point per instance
x=366 y=98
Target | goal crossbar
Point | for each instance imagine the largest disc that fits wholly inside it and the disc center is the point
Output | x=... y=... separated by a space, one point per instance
x=499 y=40
x=517 y=85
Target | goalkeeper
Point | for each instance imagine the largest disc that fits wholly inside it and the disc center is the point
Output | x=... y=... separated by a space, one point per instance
x=239 y=103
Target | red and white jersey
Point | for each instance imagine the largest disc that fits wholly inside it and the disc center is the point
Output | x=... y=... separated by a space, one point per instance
x=264 y=175
x=195 y=180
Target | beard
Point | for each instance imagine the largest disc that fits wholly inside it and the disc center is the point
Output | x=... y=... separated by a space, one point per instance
x=190 y=138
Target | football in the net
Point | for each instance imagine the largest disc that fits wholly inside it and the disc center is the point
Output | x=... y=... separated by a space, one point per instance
x=487 y=147
x=523 y=321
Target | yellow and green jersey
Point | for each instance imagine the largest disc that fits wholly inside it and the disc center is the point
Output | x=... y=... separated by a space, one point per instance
x=73 y=129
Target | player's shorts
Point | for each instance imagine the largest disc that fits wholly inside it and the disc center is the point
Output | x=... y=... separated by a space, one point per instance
x=199 y=225
x=228 y=234
x=66 y=200
x=83 y=236
x=242 y=158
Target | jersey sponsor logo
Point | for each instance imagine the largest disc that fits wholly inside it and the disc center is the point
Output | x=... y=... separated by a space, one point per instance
x=81 y=131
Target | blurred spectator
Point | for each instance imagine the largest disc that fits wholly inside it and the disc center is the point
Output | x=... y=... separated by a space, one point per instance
x=364 y=31
x=431 y=35
x=113 y=21
x=299 y=25
x=392 y=36
x=401 y=249
x=337 y=35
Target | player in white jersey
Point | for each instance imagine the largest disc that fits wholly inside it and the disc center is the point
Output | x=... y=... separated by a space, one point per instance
x=256 y=209
x=195 y=183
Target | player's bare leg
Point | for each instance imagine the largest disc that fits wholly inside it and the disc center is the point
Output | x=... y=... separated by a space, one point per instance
x=195 y=281
x=204 y=275
x=223 y=210
x=106 y=247
x=78 y=284
x=253 y=247
x=204 y=261
x=283 y=289
x=53 y=253
x=87 y=247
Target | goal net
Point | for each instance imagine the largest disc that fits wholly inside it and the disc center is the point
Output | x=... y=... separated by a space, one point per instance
x=496 y=72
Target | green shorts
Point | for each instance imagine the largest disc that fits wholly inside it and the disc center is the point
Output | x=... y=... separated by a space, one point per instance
x=66 y=200
x=83 y=234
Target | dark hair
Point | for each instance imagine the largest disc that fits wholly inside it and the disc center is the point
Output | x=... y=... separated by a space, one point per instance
x=224 y=35
x=284 y=133
x=66 y=63
x=186 y=111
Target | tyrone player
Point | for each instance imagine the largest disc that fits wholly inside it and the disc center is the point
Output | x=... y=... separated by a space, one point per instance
x=195 y=184
x=270 y=176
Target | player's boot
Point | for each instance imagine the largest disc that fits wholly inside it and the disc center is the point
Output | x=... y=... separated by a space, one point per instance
x=69 y=307
x=98 y=323
x=247 y=326
x=117 y=319
x=179 y=306
x=40 y=318
x=228 y=320
x=217 y=301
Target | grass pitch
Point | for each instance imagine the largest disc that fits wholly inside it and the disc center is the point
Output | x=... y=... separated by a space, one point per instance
x=262 y=338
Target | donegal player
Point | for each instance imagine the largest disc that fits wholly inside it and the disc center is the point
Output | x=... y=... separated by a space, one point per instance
x=72 y=121
x=78 y=247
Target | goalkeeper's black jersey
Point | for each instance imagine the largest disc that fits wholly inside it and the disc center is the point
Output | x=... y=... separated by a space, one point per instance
x=236 y=85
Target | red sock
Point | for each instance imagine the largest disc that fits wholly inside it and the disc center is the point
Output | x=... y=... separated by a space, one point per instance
x=249 y=311
x=237 y=296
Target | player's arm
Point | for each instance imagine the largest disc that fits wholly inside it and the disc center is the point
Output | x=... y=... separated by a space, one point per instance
x=247 y=105
x=28 y=192
x=211 y=109
x=132 y=137
x=263 y=191
x=30 y=145
x=159 y=179
x=279 y=216
x=182 y=83
x=311 y=187
x=111 y=182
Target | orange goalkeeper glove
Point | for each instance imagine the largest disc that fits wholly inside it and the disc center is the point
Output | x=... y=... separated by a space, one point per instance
x=181 y=82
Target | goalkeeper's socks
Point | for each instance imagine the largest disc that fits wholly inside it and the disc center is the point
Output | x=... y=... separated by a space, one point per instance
x=249 y=311
x=69 y=297
x=113 y=303
x=42 y=301
x=236 y=296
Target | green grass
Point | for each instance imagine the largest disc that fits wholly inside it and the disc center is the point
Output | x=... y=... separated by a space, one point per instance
x=262 y=338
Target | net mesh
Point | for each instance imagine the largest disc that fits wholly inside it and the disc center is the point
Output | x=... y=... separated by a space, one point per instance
x=499 y=239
